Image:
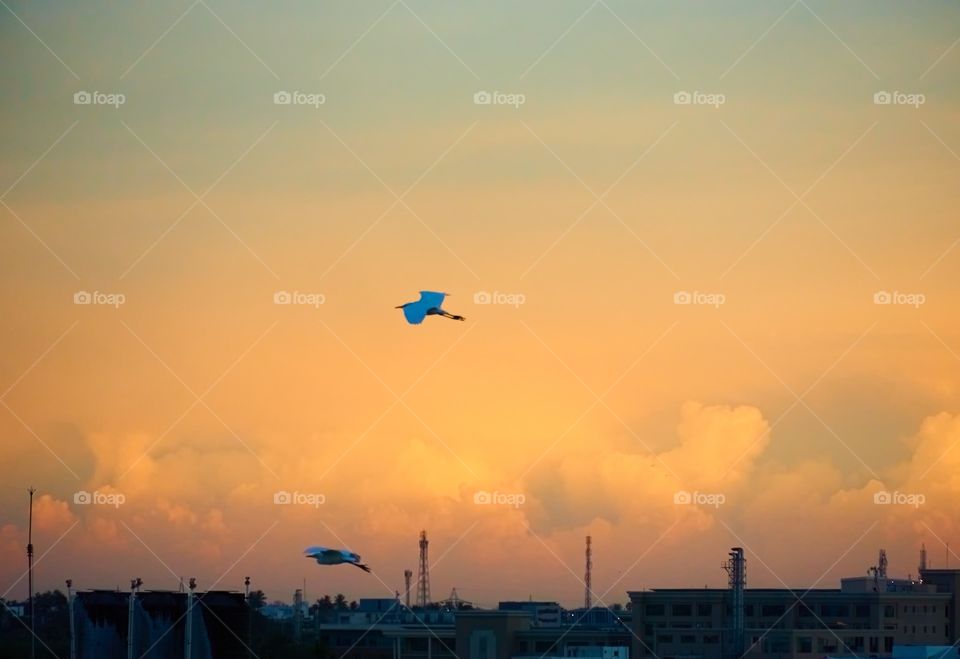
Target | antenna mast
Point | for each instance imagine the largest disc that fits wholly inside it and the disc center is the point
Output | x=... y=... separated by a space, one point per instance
x=736 y=569
x=407 y=578
x=423 y=580
x=588 y=576
x=33 y=636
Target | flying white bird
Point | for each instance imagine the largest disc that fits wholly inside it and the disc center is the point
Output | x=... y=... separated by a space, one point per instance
x=428 y=305
x=325 y=556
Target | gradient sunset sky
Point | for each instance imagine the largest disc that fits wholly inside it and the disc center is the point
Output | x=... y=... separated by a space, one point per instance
x=798 y=202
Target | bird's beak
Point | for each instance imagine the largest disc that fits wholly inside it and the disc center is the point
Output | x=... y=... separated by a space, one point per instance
x=400 y=307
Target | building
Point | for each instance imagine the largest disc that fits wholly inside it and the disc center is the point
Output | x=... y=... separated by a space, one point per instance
x=866 y=615
x=871 y=616
x=16 y=609
x=383 y=628
x=103 y=624
x=947 y=581
x=276 y=612
x=544 y=614
x=512 y=633
x=378 y=630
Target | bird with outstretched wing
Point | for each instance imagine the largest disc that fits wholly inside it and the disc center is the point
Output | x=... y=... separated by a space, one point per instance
x=327 y=556
x=429 y=304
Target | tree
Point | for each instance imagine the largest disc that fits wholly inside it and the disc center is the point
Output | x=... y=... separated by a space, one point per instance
x=5 y=615
x=325 y=603
x=340 y=602
x=51 y=620
x=257 y=599
x=50 y=609
x=354 y=606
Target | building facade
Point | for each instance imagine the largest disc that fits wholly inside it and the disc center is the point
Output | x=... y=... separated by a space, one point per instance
x=865 y=616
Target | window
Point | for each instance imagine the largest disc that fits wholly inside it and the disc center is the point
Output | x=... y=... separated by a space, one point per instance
x=664 y=638
x=654 y=609
x=888 y=644
x=862 y=611
x=889 y=611
x=772 y=610
x=711 y=639
x=483 y=644
x=834 y=610
x=689 y=639
x=747 y=610
x=804 y=610
x=704 y=609
x=805 y=644
x=827 y=645
x=776 y=644
x=683 y=609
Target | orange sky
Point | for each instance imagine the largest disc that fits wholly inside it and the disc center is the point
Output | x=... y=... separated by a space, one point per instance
x=596 y=201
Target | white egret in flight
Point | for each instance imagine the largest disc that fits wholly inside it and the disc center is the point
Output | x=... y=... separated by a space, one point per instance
x=428 y=305
x=325 y=556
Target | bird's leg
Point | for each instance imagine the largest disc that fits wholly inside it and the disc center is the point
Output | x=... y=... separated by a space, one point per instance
x=447 y=314
x=363 y=567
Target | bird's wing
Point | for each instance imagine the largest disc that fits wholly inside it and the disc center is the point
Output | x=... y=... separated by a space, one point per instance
x=321 y=551
x=415 y=313
x=350 y=556
x=431 y=299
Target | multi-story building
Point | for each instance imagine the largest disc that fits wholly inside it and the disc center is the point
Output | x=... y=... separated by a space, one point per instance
x=384 y=628
x=511 y=633
x=865 y=616
x=514 y=630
